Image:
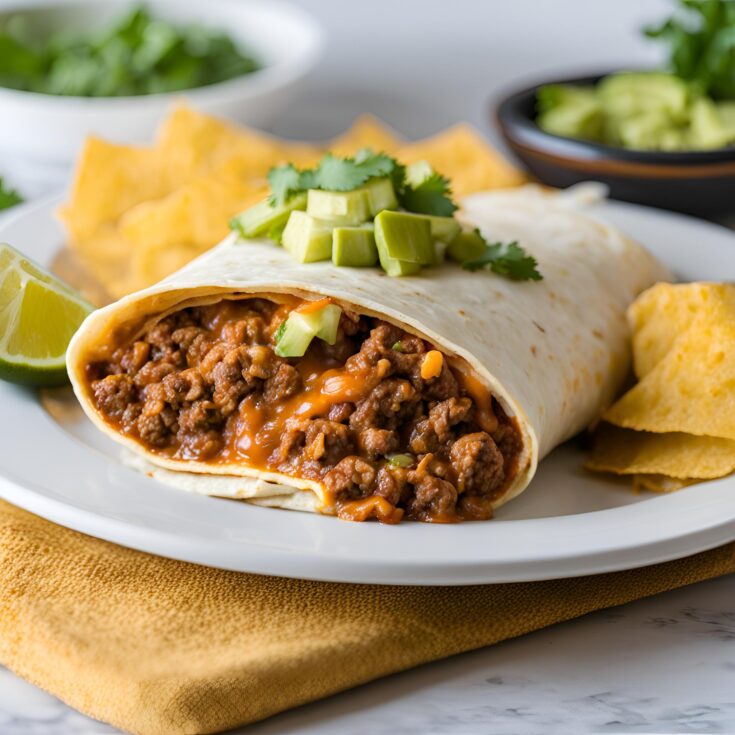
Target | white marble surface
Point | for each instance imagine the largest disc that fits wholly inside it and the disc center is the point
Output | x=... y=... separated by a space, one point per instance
x=663 y=665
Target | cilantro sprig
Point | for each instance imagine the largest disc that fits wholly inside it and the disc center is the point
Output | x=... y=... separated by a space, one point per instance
x=8 y=197
x=430 y=196
x=507 y=259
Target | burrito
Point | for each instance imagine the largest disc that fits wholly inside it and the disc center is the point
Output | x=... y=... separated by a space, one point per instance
x=435 y=399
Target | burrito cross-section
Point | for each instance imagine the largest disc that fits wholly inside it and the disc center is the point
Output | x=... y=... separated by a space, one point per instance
x=430 y=397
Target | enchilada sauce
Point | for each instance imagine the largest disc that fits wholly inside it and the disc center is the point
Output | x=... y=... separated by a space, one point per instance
x=380 y=420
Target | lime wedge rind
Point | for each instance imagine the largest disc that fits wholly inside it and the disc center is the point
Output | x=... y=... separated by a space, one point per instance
x=39 y=314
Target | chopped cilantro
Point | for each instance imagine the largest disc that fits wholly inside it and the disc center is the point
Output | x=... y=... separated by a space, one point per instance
x=506 y=259
x=8 y=197
x=431 y=196
x=138 y=54
x=285 y=181
x=340 y=174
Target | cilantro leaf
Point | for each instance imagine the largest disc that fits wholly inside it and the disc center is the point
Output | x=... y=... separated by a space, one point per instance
x=286 y=181
x=340 y=174
x=506 y=259
x=701 y=44
x=375 y=164
x=431 y=196
x=8 y=197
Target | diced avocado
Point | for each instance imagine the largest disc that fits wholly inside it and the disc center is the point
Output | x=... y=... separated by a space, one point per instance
x=381 y=195
x=633 y=93
x=296 y=333
x=570 y=111
x=395 y=267
x=263 y=218
x=307 y=238
x=405 y=237
x=417 y=173
x=708 y=128
x=653 y=130
x=340 y=207
x=467 y=245
x=326 y=322
x=354 y=246
x=444 y=229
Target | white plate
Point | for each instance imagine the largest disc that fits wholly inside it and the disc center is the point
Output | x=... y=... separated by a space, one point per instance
x=568 y=523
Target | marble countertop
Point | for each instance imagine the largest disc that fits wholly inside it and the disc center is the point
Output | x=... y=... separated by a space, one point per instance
x=661 y=665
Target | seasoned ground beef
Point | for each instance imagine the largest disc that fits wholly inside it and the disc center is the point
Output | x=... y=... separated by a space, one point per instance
x=205 y=384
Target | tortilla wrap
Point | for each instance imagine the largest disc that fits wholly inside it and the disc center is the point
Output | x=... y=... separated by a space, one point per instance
x=553 y=352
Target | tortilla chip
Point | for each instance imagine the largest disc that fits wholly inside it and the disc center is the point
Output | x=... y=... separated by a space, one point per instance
x=462 y=155
x=675 y=455
x=137 y=214
x=163 y=235
x=659 y=483
x=665 y=311
x=110 y=179
x=366 y=132
x=191 y=143
x=691 y=390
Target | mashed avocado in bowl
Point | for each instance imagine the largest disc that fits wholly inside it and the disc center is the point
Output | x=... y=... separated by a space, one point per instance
x=689 y=107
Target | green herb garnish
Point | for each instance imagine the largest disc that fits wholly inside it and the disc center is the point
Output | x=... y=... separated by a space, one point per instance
x=369 y=208
x=137 y=55
x=506 y=259
x=397 y=347
x=701 y=41
x=8 y=197
x=430 y=196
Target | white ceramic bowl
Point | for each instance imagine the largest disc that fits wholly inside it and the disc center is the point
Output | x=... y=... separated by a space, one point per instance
x=40 y=135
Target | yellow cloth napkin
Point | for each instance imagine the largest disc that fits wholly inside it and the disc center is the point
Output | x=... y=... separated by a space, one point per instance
x=158 y=646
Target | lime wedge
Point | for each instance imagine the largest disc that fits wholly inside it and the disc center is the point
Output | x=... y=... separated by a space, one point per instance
x=38 y=316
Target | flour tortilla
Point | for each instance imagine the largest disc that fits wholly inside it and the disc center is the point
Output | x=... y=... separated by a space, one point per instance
x=552 y=352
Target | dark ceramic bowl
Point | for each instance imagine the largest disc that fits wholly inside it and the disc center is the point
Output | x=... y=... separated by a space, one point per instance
x=696 y=182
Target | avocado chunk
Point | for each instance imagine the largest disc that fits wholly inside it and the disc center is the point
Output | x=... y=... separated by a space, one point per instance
x=467 y=245
x=262 y=218
x=394 y=267
x=339 y=207
x=633 y=93
x=418 y=172
x=443 y=229
x=569 y=111
x=406 y=237
x=354 y=247
x=307 y=238
x=381 y=195
x=709 y=128
x=296 y=333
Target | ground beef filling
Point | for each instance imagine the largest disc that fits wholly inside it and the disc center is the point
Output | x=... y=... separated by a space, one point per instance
x=205 y=384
